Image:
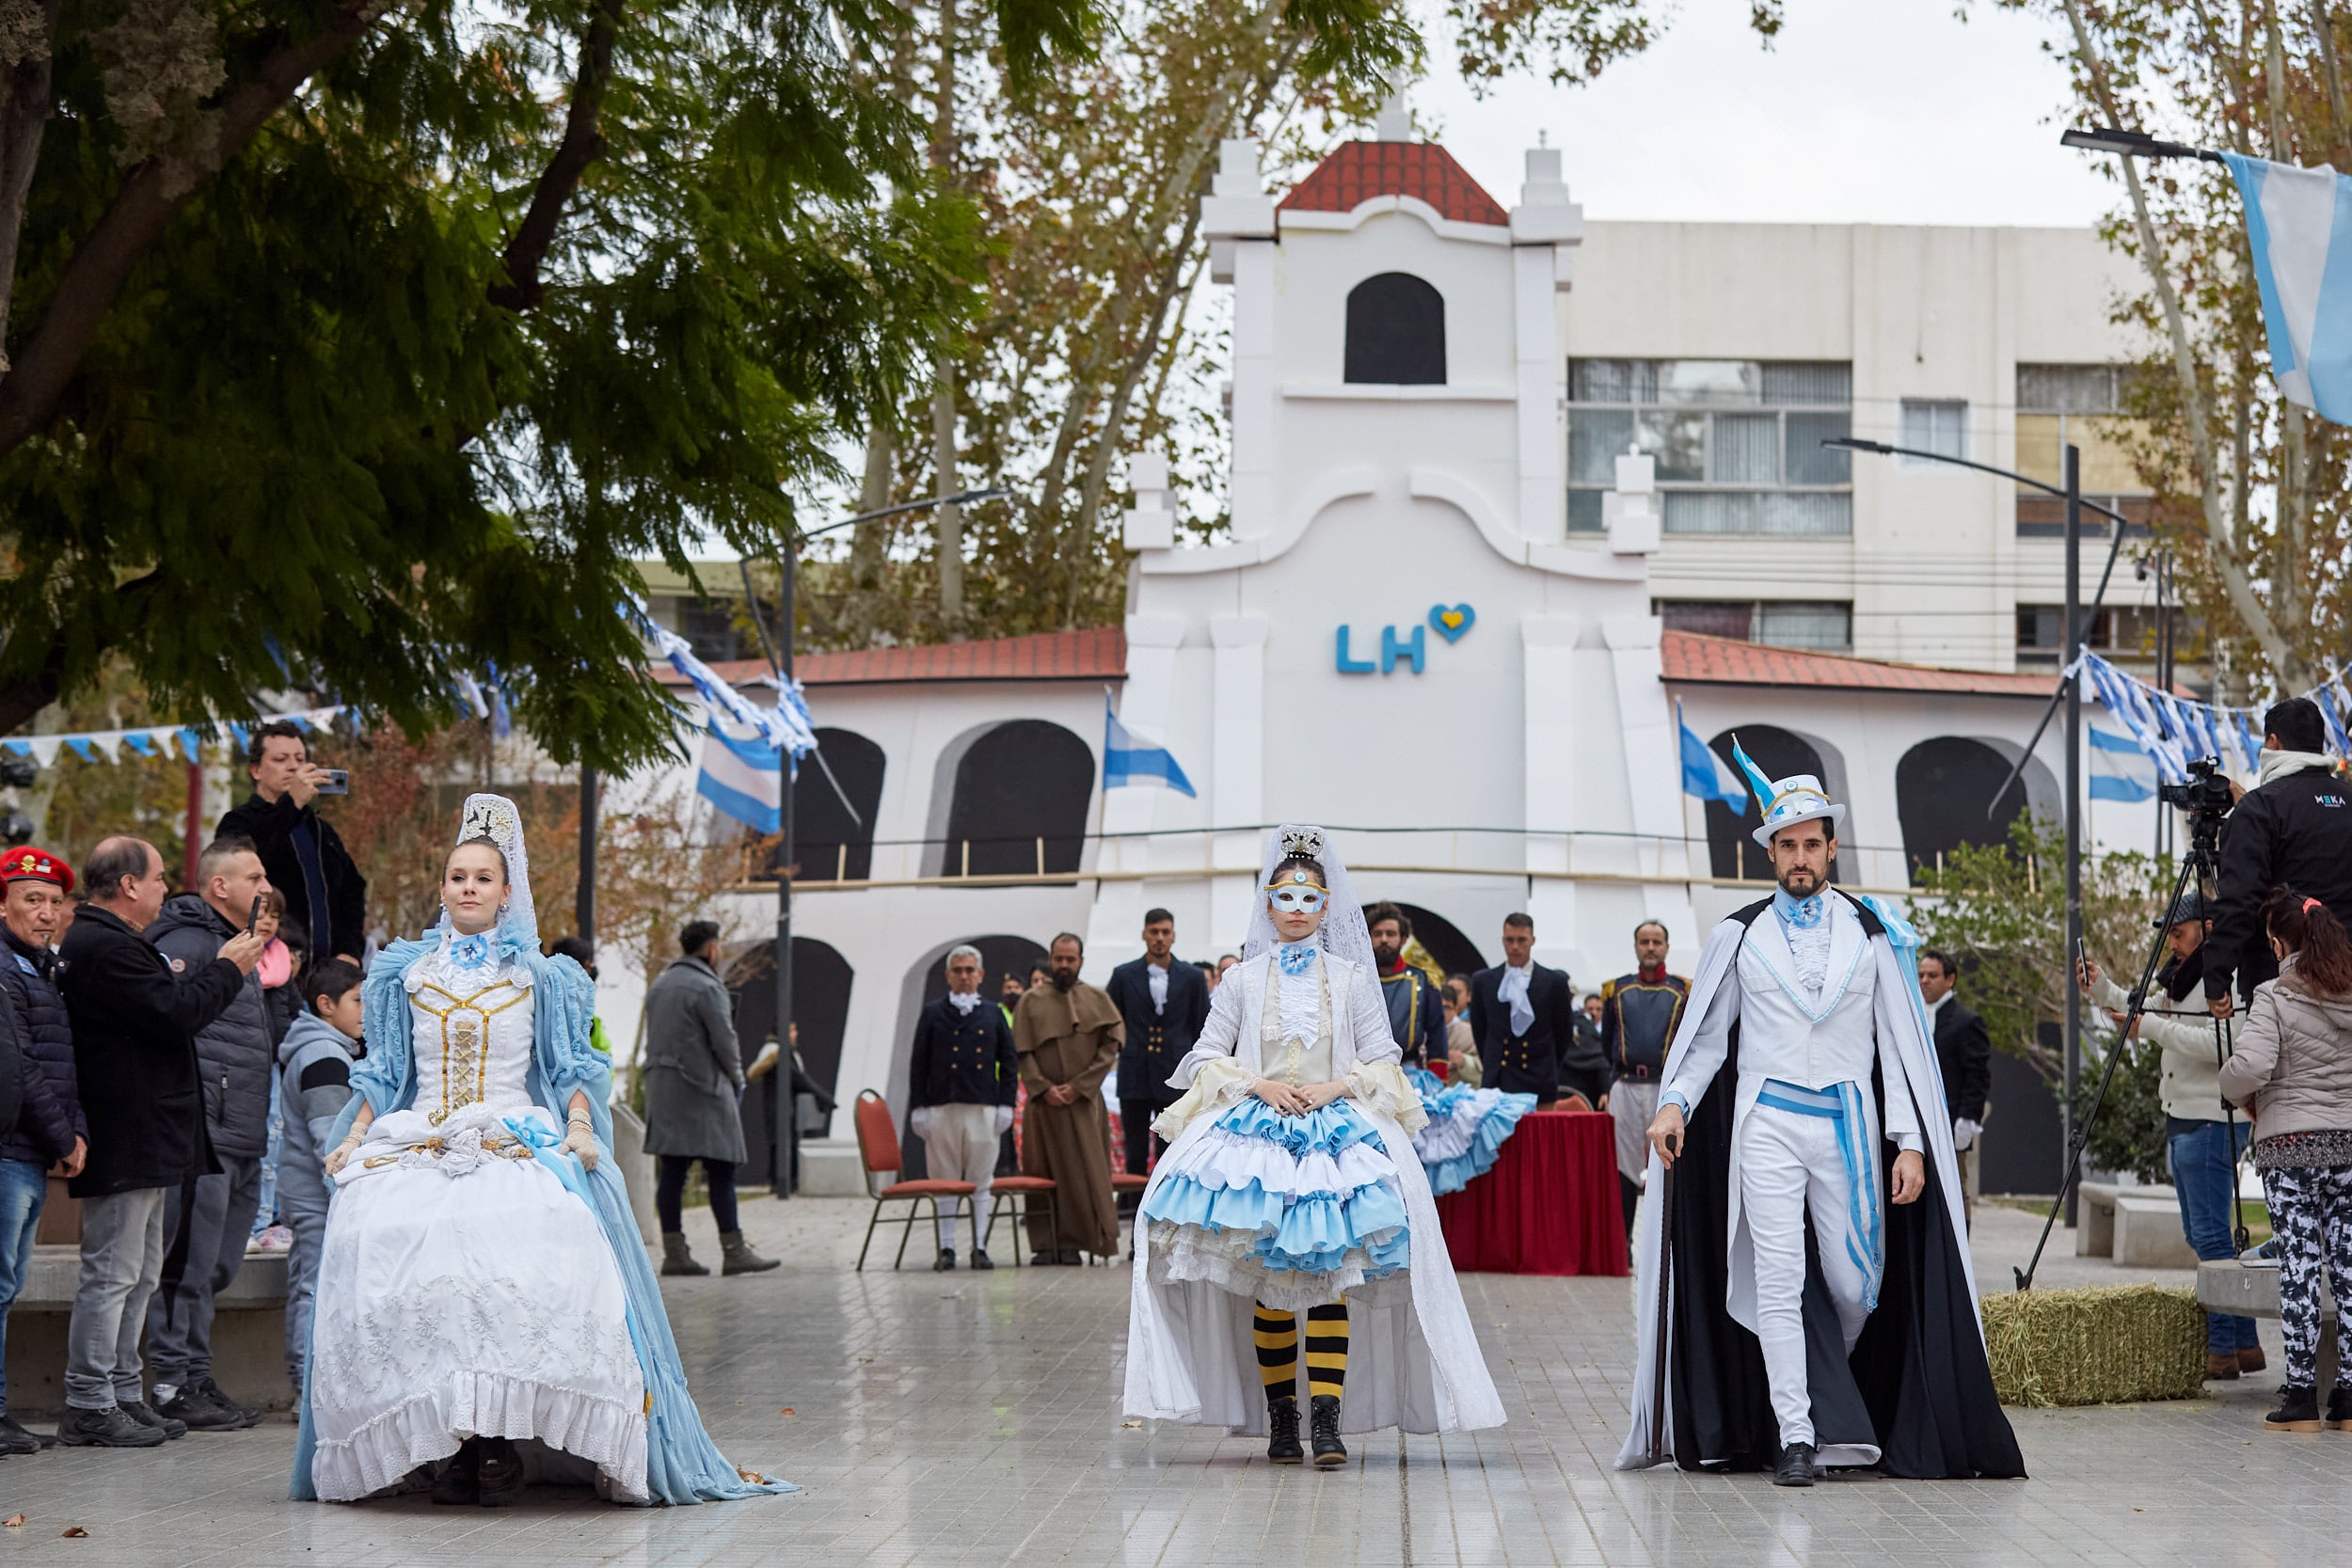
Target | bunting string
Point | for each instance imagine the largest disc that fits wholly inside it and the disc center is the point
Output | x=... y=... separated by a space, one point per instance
x=2173 y=731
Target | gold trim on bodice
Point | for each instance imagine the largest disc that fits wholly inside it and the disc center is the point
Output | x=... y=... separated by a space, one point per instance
x=464 y=1041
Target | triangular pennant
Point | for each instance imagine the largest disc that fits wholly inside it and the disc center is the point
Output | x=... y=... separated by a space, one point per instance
x=44 y=748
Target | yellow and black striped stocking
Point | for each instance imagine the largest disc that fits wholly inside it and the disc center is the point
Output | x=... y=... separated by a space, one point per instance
x=1278 y=1354
x=1327 y=1349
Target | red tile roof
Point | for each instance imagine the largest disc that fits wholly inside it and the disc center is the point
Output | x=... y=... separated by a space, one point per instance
x=1691 y=659
x=1100 y=654
x=1359 y=170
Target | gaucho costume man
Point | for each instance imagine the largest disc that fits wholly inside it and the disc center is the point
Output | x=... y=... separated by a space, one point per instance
x=1820 y=1306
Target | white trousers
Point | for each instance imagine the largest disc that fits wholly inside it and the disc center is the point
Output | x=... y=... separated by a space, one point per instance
x=961 y=1147
x=1789 y=1165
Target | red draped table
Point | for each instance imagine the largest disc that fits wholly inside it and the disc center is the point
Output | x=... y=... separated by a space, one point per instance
x=1549 y=1205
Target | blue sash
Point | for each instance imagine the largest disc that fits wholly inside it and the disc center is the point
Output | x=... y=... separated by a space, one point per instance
x=1842 y=1103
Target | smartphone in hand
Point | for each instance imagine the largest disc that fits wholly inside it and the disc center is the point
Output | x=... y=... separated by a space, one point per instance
x=253 y=916
x=337 y=781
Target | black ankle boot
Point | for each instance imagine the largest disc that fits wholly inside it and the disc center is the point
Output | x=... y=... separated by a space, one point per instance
x=459 y=1484
x=2298 y=1411
x=1281 y=1427
x=501 y=1474
x=2340 y=1408
x=1323 y=1432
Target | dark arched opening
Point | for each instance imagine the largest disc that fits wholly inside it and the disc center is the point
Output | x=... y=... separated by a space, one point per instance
x=830 y=842
x=1454 y=952
x=1396 y=331
x=1731 y=847
x=1020 y=803
x=820 y=1011
x=1941 y=789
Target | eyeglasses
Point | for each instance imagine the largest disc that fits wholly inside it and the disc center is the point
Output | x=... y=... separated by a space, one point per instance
x=1295 y=898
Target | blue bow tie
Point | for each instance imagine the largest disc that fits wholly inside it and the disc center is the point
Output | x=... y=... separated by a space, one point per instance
x=1803 y=913
x=1295 y=957
x=470 y=952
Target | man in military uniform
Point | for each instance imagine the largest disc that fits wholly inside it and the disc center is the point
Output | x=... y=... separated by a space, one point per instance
x=1163 y=1004
x=962 y=1076
x=1639 y=1014
x=1416 y=1013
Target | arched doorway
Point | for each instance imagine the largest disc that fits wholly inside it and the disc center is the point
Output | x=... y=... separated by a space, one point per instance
x=1000 y=955
x=1452 y=952
x=1395 y=331
x=1731 y=847
x=820 y=1011
x=1941 y=790
x=830 y=843
x=1019 y=807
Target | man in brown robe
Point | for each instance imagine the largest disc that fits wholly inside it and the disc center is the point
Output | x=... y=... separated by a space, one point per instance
x=1067 y=1035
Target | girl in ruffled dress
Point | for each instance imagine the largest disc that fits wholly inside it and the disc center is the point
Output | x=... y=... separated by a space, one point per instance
x=1290 y=1187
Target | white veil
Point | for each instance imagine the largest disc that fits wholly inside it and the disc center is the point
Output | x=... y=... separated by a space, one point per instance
x=1343 y=932
x=494 y=818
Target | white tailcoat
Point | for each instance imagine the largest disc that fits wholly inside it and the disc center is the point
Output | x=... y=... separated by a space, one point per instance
x=1413 y=1359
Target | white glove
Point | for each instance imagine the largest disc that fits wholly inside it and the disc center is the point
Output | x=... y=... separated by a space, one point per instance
x=1003 y=1119
x=579 y=1139
x=919 y=1121
x=1964 y=1134
x=340 y=1156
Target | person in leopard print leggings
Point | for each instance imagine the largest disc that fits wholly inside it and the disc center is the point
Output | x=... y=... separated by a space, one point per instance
x=2293 y=1073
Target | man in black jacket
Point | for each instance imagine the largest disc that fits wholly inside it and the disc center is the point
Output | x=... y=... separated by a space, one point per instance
x=1165 y=1003
x=133 y=1024
x=1964 y=1052
x=325 y=896
x=2293 y=829
x=1522 y=1016
x=207 y=1218
x=962 y=1079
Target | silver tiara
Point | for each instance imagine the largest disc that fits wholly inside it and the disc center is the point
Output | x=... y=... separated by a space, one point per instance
x=1303 y=841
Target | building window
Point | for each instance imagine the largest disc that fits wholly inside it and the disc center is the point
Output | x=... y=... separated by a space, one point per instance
x=1396 y=331
x=1936 y=425
x=715 y=627
x=2124 y=633
x=2081 y=406
x=1822 y=625
x=1737 y=442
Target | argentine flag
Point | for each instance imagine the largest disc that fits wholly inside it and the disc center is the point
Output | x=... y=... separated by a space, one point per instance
x=744 y=779
x=2298 y=224
x=1129 y=761
x=1704 y=774
x=2119 y=771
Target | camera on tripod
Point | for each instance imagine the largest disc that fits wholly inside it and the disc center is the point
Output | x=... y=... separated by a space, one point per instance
x=2205 y=791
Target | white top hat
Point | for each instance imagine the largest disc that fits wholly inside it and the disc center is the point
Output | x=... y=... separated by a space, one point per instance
x=1797 y=798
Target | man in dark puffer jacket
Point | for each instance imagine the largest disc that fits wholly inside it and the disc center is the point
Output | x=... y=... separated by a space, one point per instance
x=208 y=1218
x=48 y=1130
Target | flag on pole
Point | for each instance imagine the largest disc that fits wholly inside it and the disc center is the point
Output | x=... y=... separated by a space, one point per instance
x=2299 y=225
x=2119 y=771
x=1129 y=761
x=1704 y=774
x=743 y=777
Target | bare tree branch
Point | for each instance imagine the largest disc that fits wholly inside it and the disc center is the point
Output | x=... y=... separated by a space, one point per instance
x=23 y=119
x=582 y=145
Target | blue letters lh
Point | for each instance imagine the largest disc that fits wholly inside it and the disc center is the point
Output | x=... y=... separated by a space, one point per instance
x=1391 y=650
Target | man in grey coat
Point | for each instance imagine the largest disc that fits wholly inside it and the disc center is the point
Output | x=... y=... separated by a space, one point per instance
x=693 y=1099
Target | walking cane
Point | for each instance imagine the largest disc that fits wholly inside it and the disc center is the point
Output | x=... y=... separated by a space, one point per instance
x=1658 y=1343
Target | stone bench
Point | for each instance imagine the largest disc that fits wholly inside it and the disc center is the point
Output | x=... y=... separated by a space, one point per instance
x=2228 y=1286
x=2139 y=1227
x=248 y=1332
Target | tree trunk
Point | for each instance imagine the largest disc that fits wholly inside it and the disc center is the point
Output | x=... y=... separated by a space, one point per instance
x=23 y=119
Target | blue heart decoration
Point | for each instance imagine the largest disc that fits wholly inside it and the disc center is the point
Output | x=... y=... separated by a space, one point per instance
x=1451 y=621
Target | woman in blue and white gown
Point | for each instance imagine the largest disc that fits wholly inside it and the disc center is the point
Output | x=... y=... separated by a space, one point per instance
x=1289 y=1187
x=481 y=1282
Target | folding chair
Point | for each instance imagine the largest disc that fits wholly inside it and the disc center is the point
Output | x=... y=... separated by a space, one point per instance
x=878 y=1149
x=1014 y=1196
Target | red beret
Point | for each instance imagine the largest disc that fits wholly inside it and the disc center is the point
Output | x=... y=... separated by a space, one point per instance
x=31 y=864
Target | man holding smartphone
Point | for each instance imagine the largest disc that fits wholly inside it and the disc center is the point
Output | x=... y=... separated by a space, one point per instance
x=301 y=853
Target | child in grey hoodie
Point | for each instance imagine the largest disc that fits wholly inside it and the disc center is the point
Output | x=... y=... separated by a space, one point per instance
x=314 y=1080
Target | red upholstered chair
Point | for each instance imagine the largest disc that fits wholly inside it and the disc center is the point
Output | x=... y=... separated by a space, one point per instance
x=1124 y=1183
x=1015 y=1197
x=878 y=1149
x=1572 y=1102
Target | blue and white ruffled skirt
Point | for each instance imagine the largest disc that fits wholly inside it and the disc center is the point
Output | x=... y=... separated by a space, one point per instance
x=1467 y=1129
x=1289 y=1211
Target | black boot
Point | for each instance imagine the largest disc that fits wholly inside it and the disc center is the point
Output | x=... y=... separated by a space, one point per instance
x=1796 y=1466
x=980 y=1259
x=946 y=1264
x=459 y=1484
x=1281 y=1431
x=110 y=1428
x=2340 y=1408
x=2298 y=1411
x=501 y=1474
x=1323 y=1432
x=676 y=1257
x=15 y=1439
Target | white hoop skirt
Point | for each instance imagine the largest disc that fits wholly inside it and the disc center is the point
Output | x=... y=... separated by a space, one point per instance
x=1466 y=1131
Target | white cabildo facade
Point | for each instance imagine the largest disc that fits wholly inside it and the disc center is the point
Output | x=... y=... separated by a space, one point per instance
x=1425 y=630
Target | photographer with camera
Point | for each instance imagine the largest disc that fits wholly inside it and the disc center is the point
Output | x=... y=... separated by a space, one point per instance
x=304 y=857
x=2199 y=1141
x=2293 y=829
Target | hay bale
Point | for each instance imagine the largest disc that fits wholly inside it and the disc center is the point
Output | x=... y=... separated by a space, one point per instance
x=2106 y=1344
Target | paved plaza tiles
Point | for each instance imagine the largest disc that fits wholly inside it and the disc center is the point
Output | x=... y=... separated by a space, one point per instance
x=974 y=1419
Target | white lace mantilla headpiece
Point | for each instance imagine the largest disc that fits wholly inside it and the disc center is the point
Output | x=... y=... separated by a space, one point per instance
x=494 y=818
x=1343 y=933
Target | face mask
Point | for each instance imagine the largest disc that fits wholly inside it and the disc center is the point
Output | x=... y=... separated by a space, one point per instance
x=1298 y=898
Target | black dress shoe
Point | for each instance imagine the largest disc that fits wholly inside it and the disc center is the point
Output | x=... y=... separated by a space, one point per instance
x=945 y=1261
x=501 y=1471
x=1796 y=1466
x=459 y=1484
x=110 y=1428
x=148 y=1416
x=980 y=1259
x=15 y=1439
x=1282 y=1426
x=1323 y=1432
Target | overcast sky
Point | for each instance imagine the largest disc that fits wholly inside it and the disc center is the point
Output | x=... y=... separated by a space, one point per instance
x=1863 y=111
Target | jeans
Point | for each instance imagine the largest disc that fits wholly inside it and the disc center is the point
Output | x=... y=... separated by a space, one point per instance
x=669 y=1193
x=265 y=1207
x=122 y=1252
x=24 y=1188
x=207 y=1221
x=2204 y=1173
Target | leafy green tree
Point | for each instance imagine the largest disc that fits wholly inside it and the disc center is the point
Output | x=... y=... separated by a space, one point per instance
x=351 y=347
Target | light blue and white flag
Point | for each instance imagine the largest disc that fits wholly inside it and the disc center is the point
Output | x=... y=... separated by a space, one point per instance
x=1704 y=774
x=2299 y=225
x=1129 y=761
x=2119 y=771
x=743 y=777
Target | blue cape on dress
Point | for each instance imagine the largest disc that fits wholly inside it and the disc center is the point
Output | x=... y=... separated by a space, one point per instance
x=682 y=1464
